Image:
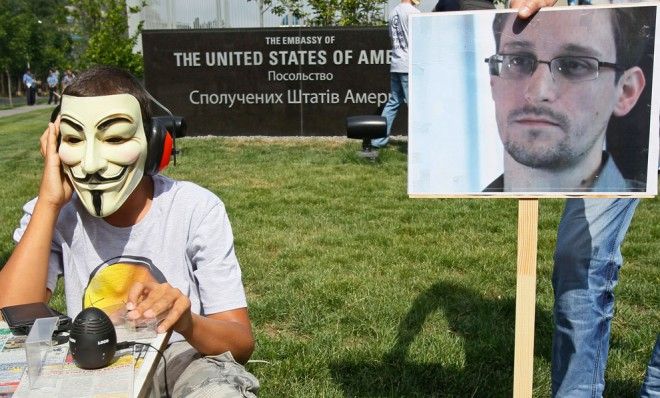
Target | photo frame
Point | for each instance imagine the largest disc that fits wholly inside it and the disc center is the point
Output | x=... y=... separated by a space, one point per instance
x=455 y=144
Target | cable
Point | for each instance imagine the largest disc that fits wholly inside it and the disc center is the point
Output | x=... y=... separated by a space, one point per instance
x=128 y=344
x=125 y=344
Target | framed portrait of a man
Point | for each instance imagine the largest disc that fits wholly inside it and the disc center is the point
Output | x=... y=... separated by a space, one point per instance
x=560 y=105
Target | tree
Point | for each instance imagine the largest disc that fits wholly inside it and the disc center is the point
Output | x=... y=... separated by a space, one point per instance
x=279 y=8
x=329 y=12
x=101 y=29
x=31 y=34
x=360 y=12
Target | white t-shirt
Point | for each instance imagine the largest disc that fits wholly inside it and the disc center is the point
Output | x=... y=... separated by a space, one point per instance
x=184 y=239
x=398 y=27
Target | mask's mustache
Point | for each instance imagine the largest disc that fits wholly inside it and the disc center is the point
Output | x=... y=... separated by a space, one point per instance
x=97 y=178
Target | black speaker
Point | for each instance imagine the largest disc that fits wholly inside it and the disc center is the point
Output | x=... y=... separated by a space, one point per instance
x=93 y=339
x=366 y=127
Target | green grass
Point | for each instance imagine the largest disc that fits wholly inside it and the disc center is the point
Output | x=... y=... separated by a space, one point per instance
x=20 y=101
x=355 y=289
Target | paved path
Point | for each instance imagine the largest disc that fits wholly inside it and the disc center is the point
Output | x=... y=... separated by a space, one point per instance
x=23 y=109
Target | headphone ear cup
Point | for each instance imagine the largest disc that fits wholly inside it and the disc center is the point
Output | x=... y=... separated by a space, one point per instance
x=155 y=132
x=159 y=148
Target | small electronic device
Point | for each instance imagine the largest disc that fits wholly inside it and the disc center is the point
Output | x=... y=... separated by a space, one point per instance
x=93 y=339
x=20 y=318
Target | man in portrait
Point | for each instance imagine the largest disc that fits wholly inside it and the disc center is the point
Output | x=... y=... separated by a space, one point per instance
x=557 y=81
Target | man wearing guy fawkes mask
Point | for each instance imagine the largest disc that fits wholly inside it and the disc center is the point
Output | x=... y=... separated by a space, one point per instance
x=98 y=147
x=103 y=149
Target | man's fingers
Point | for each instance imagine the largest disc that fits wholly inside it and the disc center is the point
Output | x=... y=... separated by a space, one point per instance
x=164 y=302
x=151 y=300
x=135 y=293
x=51 y=142
x=155 y=306
x=48 y=140
x=170 y=319
x=527 y=8
x=43 y=140
x=179 y=308
x=154 y=302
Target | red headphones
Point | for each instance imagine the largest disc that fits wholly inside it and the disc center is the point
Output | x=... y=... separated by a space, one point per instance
x=160 y=145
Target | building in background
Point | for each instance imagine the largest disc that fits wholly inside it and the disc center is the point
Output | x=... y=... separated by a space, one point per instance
x=215 y=14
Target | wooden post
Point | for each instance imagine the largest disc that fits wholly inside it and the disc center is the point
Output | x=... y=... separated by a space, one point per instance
x=523 y=361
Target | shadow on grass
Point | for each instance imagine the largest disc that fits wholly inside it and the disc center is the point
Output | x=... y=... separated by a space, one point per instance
x=486 y=326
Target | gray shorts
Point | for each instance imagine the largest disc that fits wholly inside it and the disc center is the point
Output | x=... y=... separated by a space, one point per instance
x=189 y=374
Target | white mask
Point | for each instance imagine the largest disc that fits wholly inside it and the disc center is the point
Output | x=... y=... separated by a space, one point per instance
x=103 y=149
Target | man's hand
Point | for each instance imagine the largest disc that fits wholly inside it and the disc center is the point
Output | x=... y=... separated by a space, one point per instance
x=152 y=300
x=527 y=8
x=211 y=334
x=55 y=188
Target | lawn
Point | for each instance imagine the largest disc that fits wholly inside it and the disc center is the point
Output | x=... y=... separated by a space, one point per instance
x=20 y=101
x=356 y=290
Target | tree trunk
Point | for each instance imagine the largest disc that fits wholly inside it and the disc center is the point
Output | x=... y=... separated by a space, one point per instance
x=11 y=103
x=18 y=85
x=261 y=13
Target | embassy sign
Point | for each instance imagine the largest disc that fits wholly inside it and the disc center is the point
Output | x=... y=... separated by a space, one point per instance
x=275 y=81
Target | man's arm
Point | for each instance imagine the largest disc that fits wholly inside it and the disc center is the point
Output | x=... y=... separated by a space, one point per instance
x=23 y=278
x=223 y=331
x=527 y=8
x=211 y=334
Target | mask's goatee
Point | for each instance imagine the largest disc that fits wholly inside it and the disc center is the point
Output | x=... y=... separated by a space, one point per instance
x=96 y=200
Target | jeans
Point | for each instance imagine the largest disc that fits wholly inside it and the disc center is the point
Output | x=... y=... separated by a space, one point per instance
x=398 y=95
x=587 y=262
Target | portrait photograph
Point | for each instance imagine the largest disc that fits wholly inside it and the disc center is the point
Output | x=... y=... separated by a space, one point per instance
x=560 y=105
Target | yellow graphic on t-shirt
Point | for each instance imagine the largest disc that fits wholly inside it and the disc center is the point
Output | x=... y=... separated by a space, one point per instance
x=109 y=287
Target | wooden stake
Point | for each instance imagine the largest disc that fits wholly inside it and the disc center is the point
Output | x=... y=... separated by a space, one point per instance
x=523 y=361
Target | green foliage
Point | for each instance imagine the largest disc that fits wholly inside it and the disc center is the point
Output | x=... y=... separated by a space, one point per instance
x=356 y=290
x=347 y=12
x=281 y=7
x=331 y=12
x=32 y=33
x=101 y=27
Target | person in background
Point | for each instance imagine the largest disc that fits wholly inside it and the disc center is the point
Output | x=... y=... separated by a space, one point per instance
x=30 y=87
x=398 y=28
x=447 y=5
x=67 y=79
x=579 y=2
x=52 y=80
x=587 y=261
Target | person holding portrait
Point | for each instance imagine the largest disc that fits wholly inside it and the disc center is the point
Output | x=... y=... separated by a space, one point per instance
x=554 y=99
